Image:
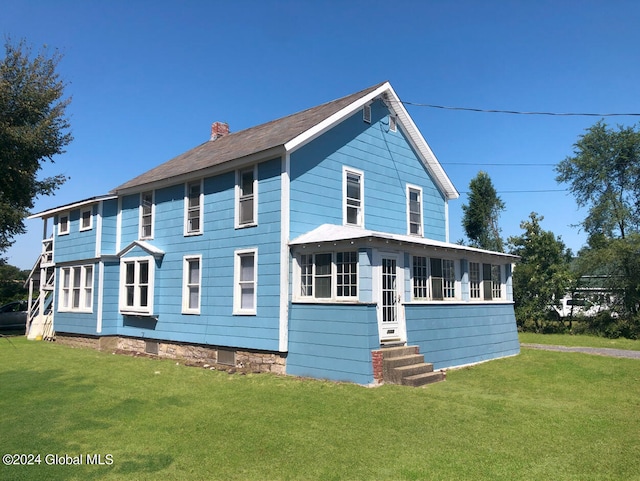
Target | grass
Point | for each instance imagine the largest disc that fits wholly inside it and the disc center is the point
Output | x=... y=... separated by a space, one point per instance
x=579 y=341
x=539 y=415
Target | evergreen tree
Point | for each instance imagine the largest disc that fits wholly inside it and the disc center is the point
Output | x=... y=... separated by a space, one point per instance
x=480 y=219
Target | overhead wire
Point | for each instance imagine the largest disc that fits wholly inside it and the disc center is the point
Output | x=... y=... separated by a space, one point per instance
x=519 y=112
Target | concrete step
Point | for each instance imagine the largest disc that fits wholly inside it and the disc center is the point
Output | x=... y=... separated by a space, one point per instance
x=423 y=379
x=391 y=352
x=396 y=375
x=403 y=360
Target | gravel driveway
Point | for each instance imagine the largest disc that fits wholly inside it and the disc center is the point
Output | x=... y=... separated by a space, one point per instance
x=600 y=351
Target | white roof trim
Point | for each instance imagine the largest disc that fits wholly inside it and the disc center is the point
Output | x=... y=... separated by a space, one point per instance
x=151 y=249
x=75 y=205
x=335 y=233
x=318 y=129
x=415 y=137
x=419 y=143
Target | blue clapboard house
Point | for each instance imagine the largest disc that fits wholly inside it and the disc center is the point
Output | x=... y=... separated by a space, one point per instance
x=313 y=245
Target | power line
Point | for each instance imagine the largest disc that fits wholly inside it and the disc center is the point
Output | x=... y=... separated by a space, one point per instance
x=518 y=112
x=481 y=164
x=524 y=191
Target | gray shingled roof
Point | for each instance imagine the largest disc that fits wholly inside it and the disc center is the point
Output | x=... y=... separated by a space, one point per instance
x=243 y=143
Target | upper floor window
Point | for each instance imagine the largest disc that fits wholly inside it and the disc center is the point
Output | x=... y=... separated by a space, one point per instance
x=63 y=224
x=191 y=284
x=146 y=215
x=76 y=289
x=245 y=280
x=328 y=275
x=246 y=197
x=414 y=210
x=137 y=285
x=86 y=218
x=193 y=208
x=353 y=198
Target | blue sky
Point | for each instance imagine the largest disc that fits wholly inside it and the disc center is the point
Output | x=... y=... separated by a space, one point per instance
x=148 y=78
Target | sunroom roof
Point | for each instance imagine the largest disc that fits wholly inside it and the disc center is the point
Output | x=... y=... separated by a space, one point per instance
x=329 y=233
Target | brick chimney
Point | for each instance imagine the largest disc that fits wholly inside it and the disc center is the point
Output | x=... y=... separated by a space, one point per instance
x=219 y=129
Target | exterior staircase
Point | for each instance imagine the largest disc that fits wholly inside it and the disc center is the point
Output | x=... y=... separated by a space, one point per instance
x=405 y=365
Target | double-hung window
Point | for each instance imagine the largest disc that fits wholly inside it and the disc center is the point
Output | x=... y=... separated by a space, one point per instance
x=137 y=285
x=414 y=210
x=353 y=197
x=146 y=215
x=245 y=282
x=475 y=280
x=191 y=284
x=86 y=219
x=246 y=197
x=76 y=289
x=63 y=224
x=193 y=208
x=329 y=275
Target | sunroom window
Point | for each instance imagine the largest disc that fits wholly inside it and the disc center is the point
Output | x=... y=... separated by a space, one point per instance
x=326 y=276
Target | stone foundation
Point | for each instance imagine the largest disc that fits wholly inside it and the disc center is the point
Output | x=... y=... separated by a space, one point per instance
x=222 y=358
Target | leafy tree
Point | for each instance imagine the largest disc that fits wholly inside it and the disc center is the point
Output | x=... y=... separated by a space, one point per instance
x=33 y=129
x=480 y=219
x=604 y=176
x=12 y=283
x=543 y=275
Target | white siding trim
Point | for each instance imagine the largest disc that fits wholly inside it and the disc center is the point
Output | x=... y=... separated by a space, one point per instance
x=100 y=297
x=285 y=223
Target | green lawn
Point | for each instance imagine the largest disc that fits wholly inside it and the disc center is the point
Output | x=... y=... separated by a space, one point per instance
x=581 y=341
x=537 y=416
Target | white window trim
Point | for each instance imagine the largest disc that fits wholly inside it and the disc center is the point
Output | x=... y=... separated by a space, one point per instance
x=68 y=229
x=239 y=172
x=334 y=298
x=84 y=289
x=153 y=215
x=345 y=171
x=82 y=211
x=186 y=209
x=185 y=284
x=417 y=188
x=237 y=291
x=137 y=310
